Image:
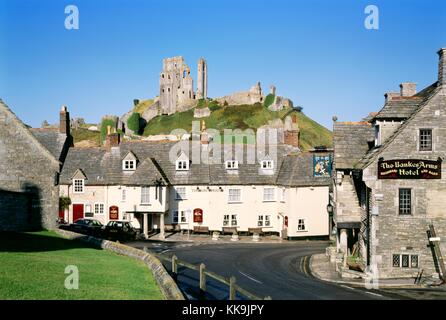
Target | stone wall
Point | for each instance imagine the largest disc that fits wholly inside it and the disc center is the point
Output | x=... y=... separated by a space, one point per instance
x=29 y=198
x=407 y=234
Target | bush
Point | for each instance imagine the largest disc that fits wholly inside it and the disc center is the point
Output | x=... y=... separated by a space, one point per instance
x=269 y=100
x=105 y=123
x=133 y=122
x=64 y=203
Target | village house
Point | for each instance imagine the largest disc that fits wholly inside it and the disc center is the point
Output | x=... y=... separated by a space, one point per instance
x=389 y=182
x=30 y=162
x=138 y=181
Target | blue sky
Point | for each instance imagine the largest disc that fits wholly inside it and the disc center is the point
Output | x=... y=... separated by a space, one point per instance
x=316 y=52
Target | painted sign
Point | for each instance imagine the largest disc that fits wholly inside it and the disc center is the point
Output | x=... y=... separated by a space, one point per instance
x=322 y=166
x=409 y=169
x=114 y=213
x=198 y=215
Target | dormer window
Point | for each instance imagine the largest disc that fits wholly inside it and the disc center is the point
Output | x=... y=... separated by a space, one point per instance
x=267 y=164
x=129 y=165
x=78 y=185
x=182 y=165
x=231 y=164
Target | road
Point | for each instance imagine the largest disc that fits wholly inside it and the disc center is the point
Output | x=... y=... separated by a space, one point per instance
x=280 y=271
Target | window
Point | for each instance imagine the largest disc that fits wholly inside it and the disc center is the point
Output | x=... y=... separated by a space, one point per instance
x=425 y=139
x=235 y=195
x=180 y=193
x=129 y=165
x=301 y=225
x=405 y=261
x=231 y=164
x=145 y=198
x=182 y=165
x=269 y=194
x=181 y=216
x=267 y=164
x=78 y=185
x=264 y=221
x=282 y=195
x=405 y=201
x=98 y=208
x=123 y=195
x=230 y=220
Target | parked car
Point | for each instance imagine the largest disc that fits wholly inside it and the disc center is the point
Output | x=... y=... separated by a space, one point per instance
x=85 y=226
x=120 y=230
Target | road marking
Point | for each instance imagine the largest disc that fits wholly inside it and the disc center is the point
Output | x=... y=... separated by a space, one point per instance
x=375 y=294
x=251 y=278
x=347 y=287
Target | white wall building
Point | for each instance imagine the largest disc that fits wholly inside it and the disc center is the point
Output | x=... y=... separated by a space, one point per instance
x=136 y=181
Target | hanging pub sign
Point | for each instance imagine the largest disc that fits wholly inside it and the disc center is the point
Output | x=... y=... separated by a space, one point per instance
x=114 y=213
x=322 y=166
x=198 y=215
x=409 y=169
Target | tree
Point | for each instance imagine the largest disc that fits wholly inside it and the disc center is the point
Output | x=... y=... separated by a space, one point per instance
x=64 y=203
x=133 y=122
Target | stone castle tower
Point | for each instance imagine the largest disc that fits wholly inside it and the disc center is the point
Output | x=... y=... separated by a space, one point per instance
x=176 y=85
x=202 y=80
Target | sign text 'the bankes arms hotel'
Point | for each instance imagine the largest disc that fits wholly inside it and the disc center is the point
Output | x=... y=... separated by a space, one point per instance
x=409 y=169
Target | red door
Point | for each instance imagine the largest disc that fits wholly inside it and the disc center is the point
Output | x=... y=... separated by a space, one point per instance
x=78 y=212
x=62 y=214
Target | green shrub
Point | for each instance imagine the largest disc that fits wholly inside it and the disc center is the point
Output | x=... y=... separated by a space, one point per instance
x=105 y=123
x=133 y=122
x=64 y=203
x=269 y=100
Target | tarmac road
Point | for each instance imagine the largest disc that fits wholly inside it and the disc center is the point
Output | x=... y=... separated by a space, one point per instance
x=280 y=271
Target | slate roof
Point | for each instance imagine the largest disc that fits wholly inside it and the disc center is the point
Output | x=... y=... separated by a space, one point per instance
x=351 y=142
x=351 y=139
x=399 y=108
x=51 y=139
x=403 y=107
x=426 y=94
x=105 y=167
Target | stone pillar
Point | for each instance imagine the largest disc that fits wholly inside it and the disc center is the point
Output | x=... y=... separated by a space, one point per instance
x=343 y=241
x=64 y=123
x=145 y=218
x=162 y=235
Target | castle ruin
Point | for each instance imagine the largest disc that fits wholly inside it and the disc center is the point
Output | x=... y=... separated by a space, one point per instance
x=177 y=85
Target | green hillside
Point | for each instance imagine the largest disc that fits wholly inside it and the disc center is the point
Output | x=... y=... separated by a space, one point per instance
x=241 y=117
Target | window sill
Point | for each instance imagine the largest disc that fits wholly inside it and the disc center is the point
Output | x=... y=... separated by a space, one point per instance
x=302 y=231
x=235 y=202
x=269 y=201
x=145 y=204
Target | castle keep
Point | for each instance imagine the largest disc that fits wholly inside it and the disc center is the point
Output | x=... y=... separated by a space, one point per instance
x=177 y=85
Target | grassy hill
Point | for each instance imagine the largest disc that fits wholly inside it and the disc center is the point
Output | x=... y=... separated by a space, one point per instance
x=222 y=117
x=242 y=117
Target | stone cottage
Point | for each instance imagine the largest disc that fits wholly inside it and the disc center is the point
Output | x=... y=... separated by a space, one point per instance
x=29 y=172
x=390 y=184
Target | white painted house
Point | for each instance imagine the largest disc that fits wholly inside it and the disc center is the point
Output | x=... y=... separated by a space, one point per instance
x=138 y=182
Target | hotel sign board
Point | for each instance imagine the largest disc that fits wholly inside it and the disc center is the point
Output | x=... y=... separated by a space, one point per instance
x=409 y=169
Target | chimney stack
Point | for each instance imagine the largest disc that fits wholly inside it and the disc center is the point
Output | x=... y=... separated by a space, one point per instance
x=64 y=123
x=442 y=67
x=291 y=133
x=390 y=95
x=408 y=89
x=112 y=139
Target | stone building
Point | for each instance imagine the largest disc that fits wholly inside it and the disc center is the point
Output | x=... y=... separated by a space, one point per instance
x=30 y=162
x=254 y=95
x=389 y=182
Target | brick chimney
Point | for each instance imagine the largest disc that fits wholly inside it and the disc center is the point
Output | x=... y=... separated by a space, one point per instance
x=112 y=139
x=390 y=95
x=442 y=67
x=291 y=137
x=408 y=89
x=64 y=123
